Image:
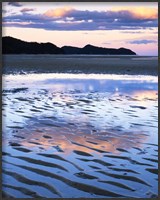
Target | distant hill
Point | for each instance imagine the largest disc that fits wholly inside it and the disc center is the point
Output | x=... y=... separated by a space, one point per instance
x=71 y=50
x=89 y=49
x=12 y=45
x=15 y=46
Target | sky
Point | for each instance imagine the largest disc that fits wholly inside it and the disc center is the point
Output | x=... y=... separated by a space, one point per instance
x=133 y=25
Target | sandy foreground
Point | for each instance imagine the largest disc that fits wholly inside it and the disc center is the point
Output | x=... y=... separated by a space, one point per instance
x=79 y=138
x=81 y=64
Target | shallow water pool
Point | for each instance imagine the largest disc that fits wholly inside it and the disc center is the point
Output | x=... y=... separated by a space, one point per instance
x=77 y=135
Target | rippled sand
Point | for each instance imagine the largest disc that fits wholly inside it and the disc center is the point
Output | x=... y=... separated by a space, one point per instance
x=80 y=138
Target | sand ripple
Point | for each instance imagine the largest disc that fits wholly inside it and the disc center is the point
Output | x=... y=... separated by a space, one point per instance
x=79 y=144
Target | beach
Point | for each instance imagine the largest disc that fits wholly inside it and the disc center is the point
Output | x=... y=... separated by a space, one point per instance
x=80 y=126
x=132 y=65
x=80 y=100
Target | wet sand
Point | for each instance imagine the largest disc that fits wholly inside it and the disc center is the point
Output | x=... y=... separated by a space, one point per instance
x=80 y=138
x=132 y=65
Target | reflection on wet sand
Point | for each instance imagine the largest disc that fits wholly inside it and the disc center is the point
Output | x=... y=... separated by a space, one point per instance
x=72 y=138
x=68 y=139
x=145 y=95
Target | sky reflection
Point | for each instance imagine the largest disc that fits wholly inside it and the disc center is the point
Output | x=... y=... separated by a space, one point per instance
x=84 y=83
x=67 y=139
x=73 y=108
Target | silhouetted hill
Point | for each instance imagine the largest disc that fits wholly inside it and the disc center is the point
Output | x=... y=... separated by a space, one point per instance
x=90 y=49
x=15 y=46
x=71 y=50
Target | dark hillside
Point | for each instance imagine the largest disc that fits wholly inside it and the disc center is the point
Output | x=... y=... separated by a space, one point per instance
x=15 y=46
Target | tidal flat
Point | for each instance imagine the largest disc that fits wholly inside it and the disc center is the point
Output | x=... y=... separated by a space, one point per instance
x=79 y=135
x=99 y=64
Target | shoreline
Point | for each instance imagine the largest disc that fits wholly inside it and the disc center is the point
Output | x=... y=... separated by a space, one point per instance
x=88 y=64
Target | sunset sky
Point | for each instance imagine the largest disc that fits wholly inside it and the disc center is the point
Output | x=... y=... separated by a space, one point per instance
x=105 y=24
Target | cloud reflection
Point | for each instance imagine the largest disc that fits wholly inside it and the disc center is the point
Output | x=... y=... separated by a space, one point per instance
x=89 y=115
x=66 y=140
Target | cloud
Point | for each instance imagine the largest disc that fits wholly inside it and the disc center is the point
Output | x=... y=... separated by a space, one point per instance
x=106 y=43
x=68 y=19
x=142 y=41
x=156 y=32
x=146 y=13
x=132 y=32
x=59 y=12
x=119 y=15
x=27 y=10
x=16 y=4
x=141 y=12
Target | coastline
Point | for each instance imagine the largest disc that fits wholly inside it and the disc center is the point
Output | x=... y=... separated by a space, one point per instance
x=109 y=64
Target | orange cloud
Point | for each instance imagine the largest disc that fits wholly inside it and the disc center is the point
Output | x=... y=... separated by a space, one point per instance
x=59 y=12
x=140 y=12
x=145 y=13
